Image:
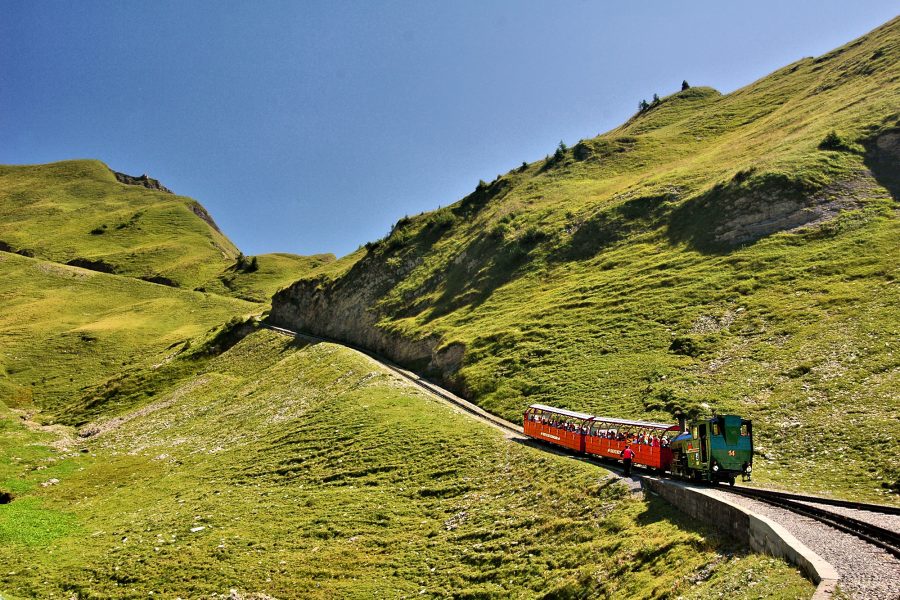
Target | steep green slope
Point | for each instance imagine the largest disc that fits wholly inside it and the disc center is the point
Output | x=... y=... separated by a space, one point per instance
x=270 y=272
x=307 y=471
x=65 y=329
x=733 y=252
x=79 y=212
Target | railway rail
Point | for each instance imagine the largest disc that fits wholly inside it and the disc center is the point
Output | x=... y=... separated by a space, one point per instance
x=473 y=409
x=879 y=536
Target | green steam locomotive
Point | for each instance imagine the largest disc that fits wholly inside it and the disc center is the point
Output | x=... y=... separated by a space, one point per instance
x=714 y=450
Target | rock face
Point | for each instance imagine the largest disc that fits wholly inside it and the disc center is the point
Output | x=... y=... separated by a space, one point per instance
x=143 y=180
x=342 y=310
x=757 y=215
x=751 y=207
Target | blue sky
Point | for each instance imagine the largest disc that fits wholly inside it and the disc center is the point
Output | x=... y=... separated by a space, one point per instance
x=311 y=127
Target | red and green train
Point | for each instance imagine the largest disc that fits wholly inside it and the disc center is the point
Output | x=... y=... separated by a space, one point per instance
x=715 y=449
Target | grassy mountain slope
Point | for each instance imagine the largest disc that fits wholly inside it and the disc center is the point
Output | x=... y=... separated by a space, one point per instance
x=65 y=329
x=306 y=471
x=78 y=212
x=714 y=252
x=275 y=271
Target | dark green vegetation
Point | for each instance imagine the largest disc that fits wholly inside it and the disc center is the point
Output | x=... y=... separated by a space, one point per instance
x=736 y=253
x=308 y=471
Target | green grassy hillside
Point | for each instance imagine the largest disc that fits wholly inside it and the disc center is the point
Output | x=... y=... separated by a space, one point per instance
x=731 y=252
x=65 y=329
x=273 y=272
x=307 y=471
x=77 y=212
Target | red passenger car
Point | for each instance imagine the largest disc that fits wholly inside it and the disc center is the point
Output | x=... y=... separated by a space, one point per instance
x=557 y=426
x=608 y=436
x=602 y=436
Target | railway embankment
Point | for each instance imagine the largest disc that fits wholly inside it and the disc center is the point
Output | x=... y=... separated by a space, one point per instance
x=756 y=531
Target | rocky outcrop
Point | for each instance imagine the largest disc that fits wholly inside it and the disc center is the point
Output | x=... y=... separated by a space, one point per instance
x=753 y=206
x=343 y=310
x=143 y=180
x=201 y=212
x=756 y=215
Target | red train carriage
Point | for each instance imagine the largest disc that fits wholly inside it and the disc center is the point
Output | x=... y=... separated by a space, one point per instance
x=602 y=436
x=608 y=436
x=557 y=426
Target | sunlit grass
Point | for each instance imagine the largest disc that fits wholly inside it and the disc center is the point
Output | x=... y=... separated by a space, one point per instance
x=307 y=471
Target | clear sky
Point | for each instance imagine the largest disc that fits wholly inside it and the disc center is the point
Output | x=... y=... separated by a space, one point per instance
x=311 y=127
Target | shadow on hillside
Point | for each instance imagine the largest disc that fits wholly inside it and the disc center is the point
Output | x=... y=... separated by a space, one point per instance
x=299 y=342
x=739 y=212
x=463 y=288
x=606 y=227
x=882 y=157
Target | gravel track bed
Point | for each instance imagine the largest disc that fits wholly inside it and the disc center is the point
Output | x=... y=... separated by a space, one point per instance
x=891 y=522
x=867 y=572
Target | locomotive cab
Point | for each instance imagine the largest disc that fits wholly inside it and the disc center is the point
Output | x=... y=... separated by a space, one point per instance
x=716 y=449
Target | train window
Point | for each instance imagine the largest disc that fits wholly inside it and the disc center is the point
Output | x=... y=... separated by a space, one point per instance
x=745 y=428
x=715 y=428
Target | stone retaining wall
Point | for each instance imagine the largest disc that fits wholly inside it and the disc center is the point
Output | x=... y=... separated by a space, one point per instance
x=757 y=532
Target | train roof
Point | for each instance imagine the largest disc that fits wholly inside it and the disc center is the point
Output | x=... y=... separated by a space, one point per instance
x=644 y=424
x=612 y=420
x=562 y=411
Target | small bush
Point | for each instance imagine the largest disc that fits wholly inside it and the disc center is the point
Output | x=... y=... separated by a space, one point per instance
x=441 y=219
x=685 y=85
x=799 y=371
x=743 y=175
x=560 y=152
x=686 y=346
x=99 y=230
x=835 y=142
x=499 y=230
x=532 y=235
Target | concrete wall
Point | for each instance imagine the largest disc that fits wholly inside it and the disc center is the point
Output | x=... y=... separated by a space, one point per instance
x=757 y=532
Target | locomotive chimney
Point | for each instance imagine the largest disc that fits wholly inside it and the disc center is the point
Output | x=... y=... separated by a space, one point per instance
x=682 y=424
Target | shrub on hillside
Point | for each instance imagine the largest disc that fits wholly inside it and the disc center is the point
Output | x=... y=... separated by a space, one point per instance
x=441 y=219
x=560 y=152
x=835 y=142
